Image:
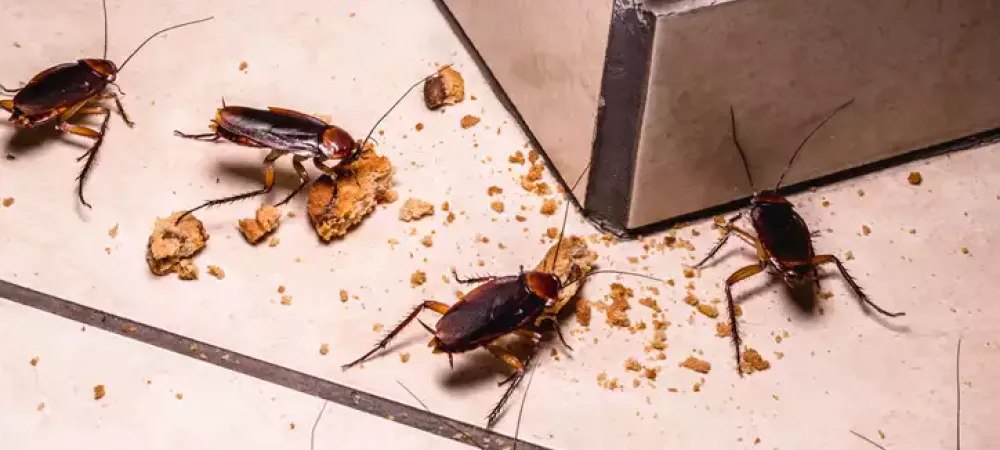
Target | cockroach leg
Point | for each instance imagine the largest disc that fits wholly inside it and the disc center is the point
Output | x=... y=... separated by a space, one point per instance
x=91 y=153
x=516 y=378
x=739 y=275
x=437 y=307
x=121 y=110
x=508 y=358
x=822 y=259
x=472 y=280
x=7 y=105
x=268 y=185
x=303 y=179
x=745 y=235
x=199 y=137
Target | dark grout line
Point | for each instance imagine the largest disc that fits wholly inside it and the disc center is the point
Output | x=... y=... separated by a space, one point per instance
x=262 y=370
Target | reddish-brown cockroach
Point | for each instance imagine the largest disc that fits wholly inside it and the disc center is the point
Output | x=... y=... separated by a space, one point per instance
x=783 y=240
x=284 y=131
x=61 y=92
x=500 y=306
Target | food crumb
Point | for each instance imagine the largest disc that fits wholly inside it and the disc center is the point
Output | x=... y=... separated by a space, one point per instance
x=469 y=121
x=516 y=158
x=849 y=255
x=427 y=241
x=243 y=66
x=915 y=178
x=633 y=365
x=965 y=250
x=286 y=300
x=583 y=312
x=41 y=406
x=753 y=362
x=171 y=246
x=179 y=396
x=688 y=272
x=343 y=296
x=723 y=329
x=497 y=206
x=697 y=365
x=494 y=190
x=548 y=207
x=377 y=327
x=273 y=242
x=708 y=310
x=34 y=361
x=7 y=202
x=419 y=126
x=324 y=349
x=445 y=88
x=263 y=223
x=216 y=272
x=404 y=357
x=552 y=232
x=418 y=278
x=414 y=209
x=113 y=232
x=866 y=230
x=99 y=392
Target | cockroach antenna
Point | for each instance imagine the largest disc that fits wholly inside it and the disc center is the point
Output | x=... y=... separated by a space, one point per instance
x=355 y=155
x=442 y=421
x=312 y=435
x=143 y=44
x=104 y=6
x=743 y=156
x=802 y=144
x=555 y=256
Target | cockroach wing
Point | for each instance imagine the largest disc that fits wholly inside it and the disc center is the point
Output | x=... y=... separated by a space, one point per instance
x=782 y=232
x=59 y=87
x=487 y=312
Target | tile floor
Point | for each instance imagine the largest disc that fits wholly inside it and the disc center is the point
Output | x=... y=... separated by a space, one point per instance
x=840 y=371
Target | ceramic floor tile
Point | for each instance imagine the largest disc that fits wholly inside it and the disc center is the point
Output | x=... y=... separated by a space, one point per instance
x=157 y=399
x=351 y=62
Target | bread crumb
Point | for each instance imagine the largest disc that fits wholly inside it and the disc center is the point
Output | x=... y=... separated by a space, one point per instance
x=343 y=296
x=691 y=299
x=286 y=300
x=99 y=392
x=34 y=361
x=849 y=255
x=427 y=241
x=216 y=272
x=445 y=88
x=688 y=273
x=866 y=230
x=723 y=329
x=520 y=218
x=548 y=207
x=753 y=362
x=113 y=232
x=265 y=221
x=697 y=365
x=404 y=357
x=915 y=178
x=708 y=310
x=607 y=383
x=494 y=190
x=377 y=327
x=129 y=329
x=171 y=247
x=965 y=250
x=583 y=312
x=633 y=365
x=361 y=186
x=179 y=396
x=41 y=406
x=649 y=303
x=418 y=278
x=243 y=66
x=419 y=126
x=516 y=158
x=324 y=349
x=7 y=202
x=469 y=121
x=414 y=209
x=615 y=312
x=497 y=206
x=826 y=203
x=273 y=242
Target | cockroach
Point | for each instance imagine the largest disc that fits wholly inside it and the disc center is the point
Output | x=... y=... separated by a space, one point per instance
x=285 y=131
x=61 y=92
x=500 y=306
x=783 y=240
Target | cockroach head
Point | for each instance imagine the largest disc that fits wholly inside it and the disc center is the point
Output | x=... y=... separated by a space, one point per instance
x=543 y=284
x=769 y=197
x=106 y=68
x=338 y=143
